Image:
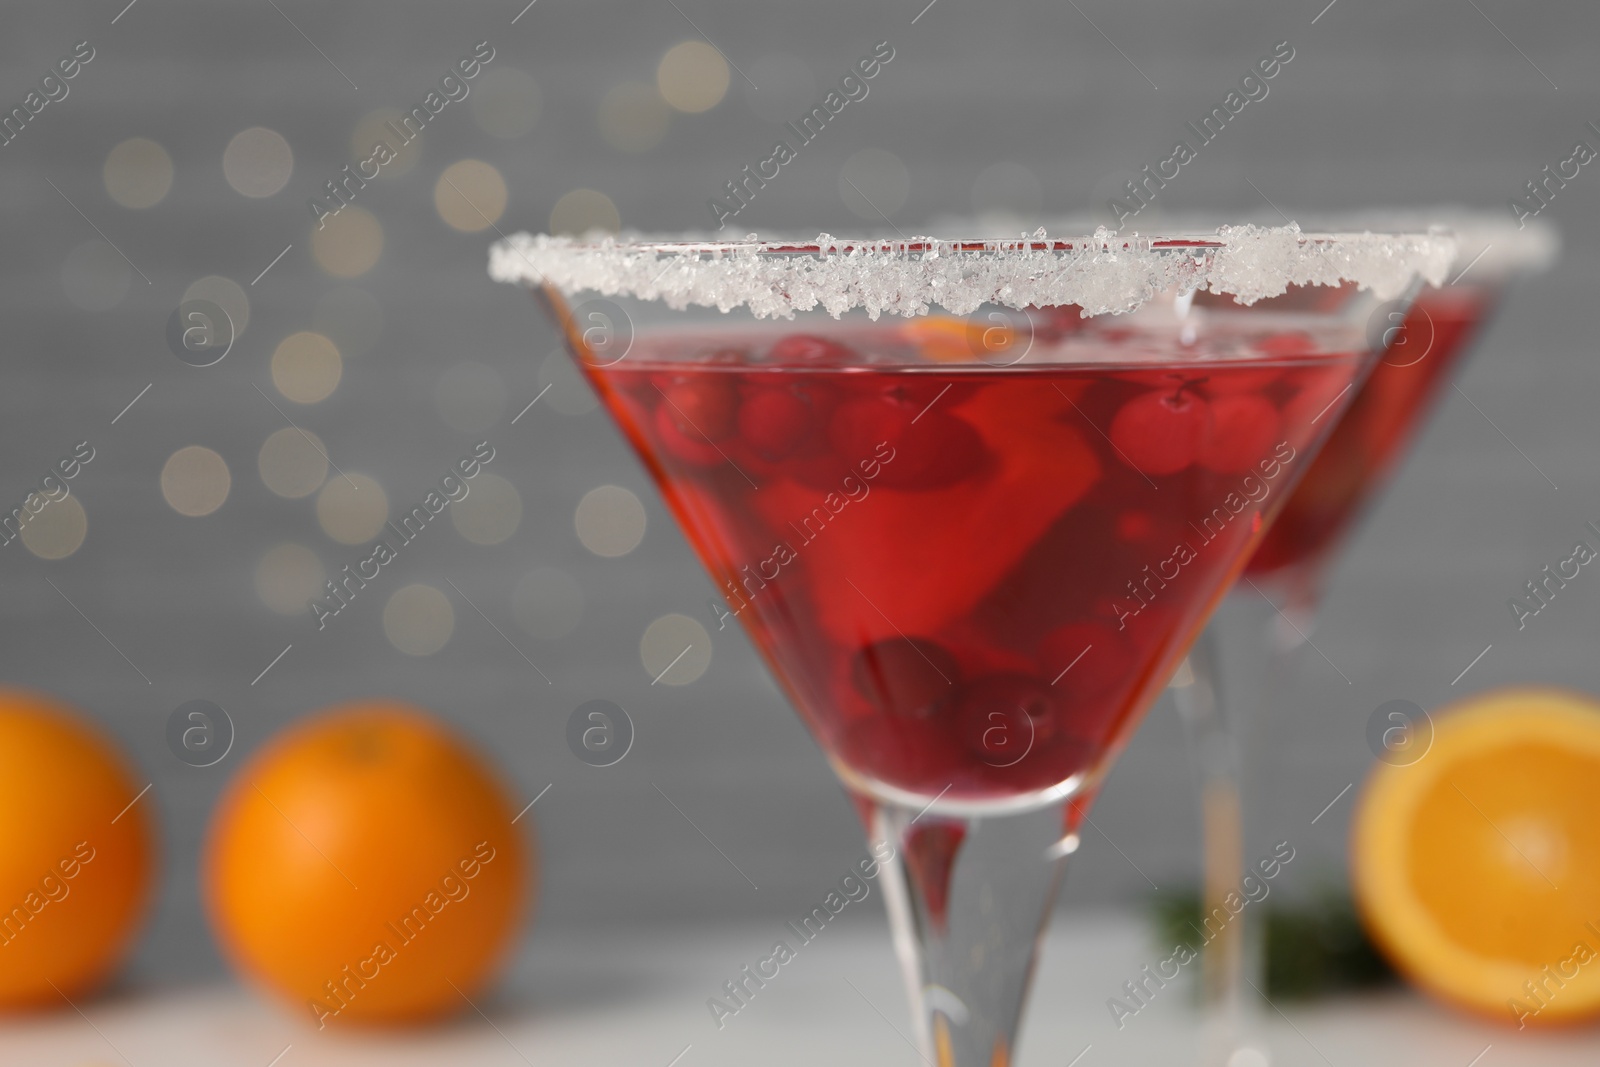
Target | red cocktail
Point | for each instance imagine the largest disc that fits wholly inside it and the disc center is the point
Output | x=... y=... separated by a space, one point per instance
x=1371 y=436
x=969 y=579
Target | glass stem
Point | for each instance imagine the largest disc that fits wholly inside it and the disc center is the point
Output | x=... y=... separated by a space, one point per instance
x=968 y=902
x=1214 y=746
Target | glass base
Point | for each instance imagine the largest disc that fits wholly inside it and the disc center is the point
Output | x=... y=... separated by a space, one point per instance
x=968 y=900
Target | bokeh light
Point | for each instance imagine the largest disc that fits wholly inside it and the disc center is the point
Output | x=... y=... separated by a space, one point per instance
x=347 y=245
x=306 y=367
x=352 y=508
x=138 y=173
x=490 y=513
x=293 y=463
x=547 y=602
x=569 y=391
x=610 y=521
x=95 y=277
x=675 y=649
x=58 y=530
x=506 y=103
x=633 y=117
x=470 y=195
x=289 y=577
x=257 y=162
x=195 y=481
x=470 y=396
x=351 y=318
x=874 y=183
x=418 y=619
x=375 y=126
x=692 y=77
x=226 y=294
x=583 y=210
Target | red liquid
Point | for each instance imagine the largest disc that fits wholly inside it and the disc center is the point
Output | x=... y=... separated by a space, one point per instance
x=1371 y=436
x=956 y=572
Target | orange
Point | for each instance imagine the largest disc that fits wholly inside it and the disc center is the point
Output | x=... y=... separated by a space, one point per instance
x=365 y=868
x=1477 y=868
x=76 y=853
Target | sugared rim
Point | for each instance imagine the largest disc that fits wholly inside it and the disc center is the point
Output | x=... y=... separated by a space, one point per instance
x=1102 y=273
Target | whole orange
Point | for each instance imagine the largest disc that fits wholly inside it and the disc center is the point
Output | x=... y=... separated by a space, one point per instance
x=76 y=853
x=365 y=867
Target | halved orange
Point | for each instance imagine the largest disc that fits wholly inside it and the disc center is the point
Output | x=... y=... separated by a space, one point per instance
x=1477 y=868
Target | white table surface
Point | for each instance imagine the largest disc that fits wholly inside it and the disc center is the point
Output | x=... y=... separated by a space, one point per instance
x=639 y=998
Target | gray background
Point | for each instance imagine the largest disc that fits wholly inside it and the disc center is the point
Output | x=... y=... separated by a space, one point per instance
x=1382 y=104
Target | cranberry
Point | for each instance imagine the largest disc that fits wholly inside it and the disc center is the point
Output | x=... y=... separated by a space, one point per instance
x=775 y=421
x=703 y=407
x=1244 y=429
x=907 y=754
x=809 y=350
x=1003 y=717
x=1162 y=431
x=690 y=447
x=908 y=677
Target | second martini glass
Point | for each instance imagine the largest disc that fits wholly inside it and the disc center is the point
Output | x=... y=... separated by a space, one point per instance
x=1423 y=347
x=971 y=551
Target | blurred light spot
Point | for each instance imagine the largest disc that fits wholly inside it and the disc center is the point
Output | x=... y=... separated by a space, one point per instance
x=226 y=294
x=569 y=392
x=257 y=162
x=1006 y=192
x=289 y=577
x=381 y=125
x=633 y=117
x=58 y=530
x=547 y=602
x=306 y=367
x=676 y=649
x=470 y=397
x=352 y=509
x=583 y=210
x=95 y=277
x=138 y=173
x=470 y=195
x=293 y=463
x=506 y=103
x=788 y=88
x=418 y=619
x=881 y=183
x=351 y=318
x=195 y=481
x=610 y=521
x=692 y=77
x=347 y=244
x=490 y=512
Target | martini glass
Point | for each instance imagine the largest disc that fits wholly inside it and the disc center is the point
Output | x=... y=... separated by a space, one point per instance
x=1423 y=348
x=970 y=541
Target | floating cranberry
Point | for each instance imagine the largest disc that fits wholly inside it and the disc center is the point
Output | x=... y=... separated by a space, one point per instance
x=812 y=351
x=1162 y=431
x=907 y=754
x=703 y=407
x=1003 y=717
x=1244 y=430
x=775 y=421
x=907 y=677
x=689 y=447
